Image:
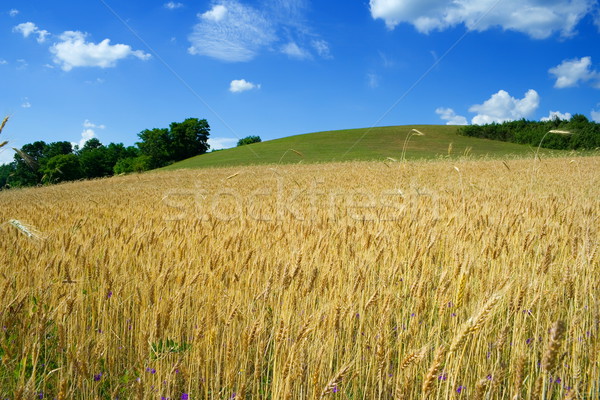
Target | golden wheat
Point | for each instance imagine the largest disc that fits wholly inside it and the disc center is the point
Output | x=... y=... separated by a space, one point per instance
x=316 y=281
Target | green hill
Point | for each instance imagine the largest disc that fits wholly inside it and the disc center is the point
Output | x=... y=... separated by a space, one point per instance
x=358 y=144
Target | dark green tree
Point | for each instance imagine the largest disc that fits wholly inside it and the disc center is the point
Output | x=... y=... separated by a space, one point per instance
x=189 y=138
x=91 y=144
x=27 y=167
x=56 y=149
x=182 y=140
x=249 y=140
x=133 y=164
x=156 y=144
x=6 y=172
x=60 y=168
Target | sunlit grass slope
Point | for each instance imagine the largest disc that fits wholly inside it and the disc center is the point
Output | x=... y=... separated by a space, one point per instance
x=358 y=144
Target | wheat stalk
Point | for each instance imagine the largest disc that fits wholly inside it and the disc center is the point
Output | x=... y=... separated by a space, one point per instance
x=433 y=371
x=556 y=338
x=27 y=230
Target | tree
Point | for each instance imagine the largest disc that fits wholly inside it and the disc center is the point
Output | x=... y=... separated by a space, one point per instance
x=156 y=144
x=56 y=149
x=60 y=168
x=6 y=171
x=91 y=144
x=132 y=164
x=27 y=170
x=182 y=140
x=249 y=140
x=189 y=138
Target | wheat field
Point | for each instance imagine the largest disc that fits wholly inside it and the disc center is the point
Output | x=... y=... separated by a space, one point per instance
x=458 y=279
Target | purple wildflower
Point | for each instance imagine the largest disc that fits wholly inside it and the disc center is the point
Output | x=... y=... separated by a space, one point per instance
x=97 y=377
x=109 y=295
x=443 y=377
x=185 y=396
x=460 y=389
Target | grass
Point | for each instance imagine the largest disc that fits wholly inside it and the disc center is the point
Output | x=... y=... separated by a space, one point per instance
x=360 y=144
x=355 y=280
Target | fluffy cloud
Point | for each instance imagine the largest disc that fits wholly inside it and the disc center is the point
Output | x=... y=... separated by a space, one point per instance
x=596 y=115
x=89 y=125
x=503 y=107
x=571 y=72
x=29 y=28
x=26 y=103
x=242 y=85
x=87 y=133
x=74 y=51
x=3 y=62
x=13 y=13
x=535 y=18
x=221 y=143
x=448 y=114
x=556 y=114
x=173 y=5
x=236 y=32
x=216 y=14
x=322 y=48
x=292 y=50
x=231 y=32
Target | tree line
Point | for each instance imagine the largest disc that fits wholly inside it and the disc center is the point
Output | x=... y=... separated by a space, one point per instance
x=577 y=133
x=43 y=163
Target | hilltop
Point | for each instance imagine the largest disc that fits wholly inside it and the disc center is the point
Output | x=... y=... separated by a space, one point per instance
x=365 y=144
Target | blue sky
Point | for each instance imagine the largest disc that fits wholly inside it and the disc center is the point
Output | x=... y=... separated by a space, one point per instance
x=101 y=68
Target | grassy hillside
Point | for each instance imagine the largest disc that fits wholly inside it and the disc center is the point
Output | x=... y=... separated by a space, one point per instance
x=357 y=144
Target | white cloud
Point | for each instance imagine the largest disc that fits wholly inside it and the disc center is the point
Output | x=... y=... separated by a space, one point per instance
x=570 y=73
x=556 y=114
x=231 y=32
x=503 y=107
x=535 y=18
x=216 y=14
x=322 y=48
x=3 y=62
x=26 y=103
x=596 y=115
x=13 y=13
x=221 y=143
x=28 y=28
x=173 y=5
x=236 y=32
x=448 y=114
x=86 y=135
x=88 y=124
x=88 y=132
x=372 y=80
x=73 y=51
x=292 y=50
x=241 y=85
